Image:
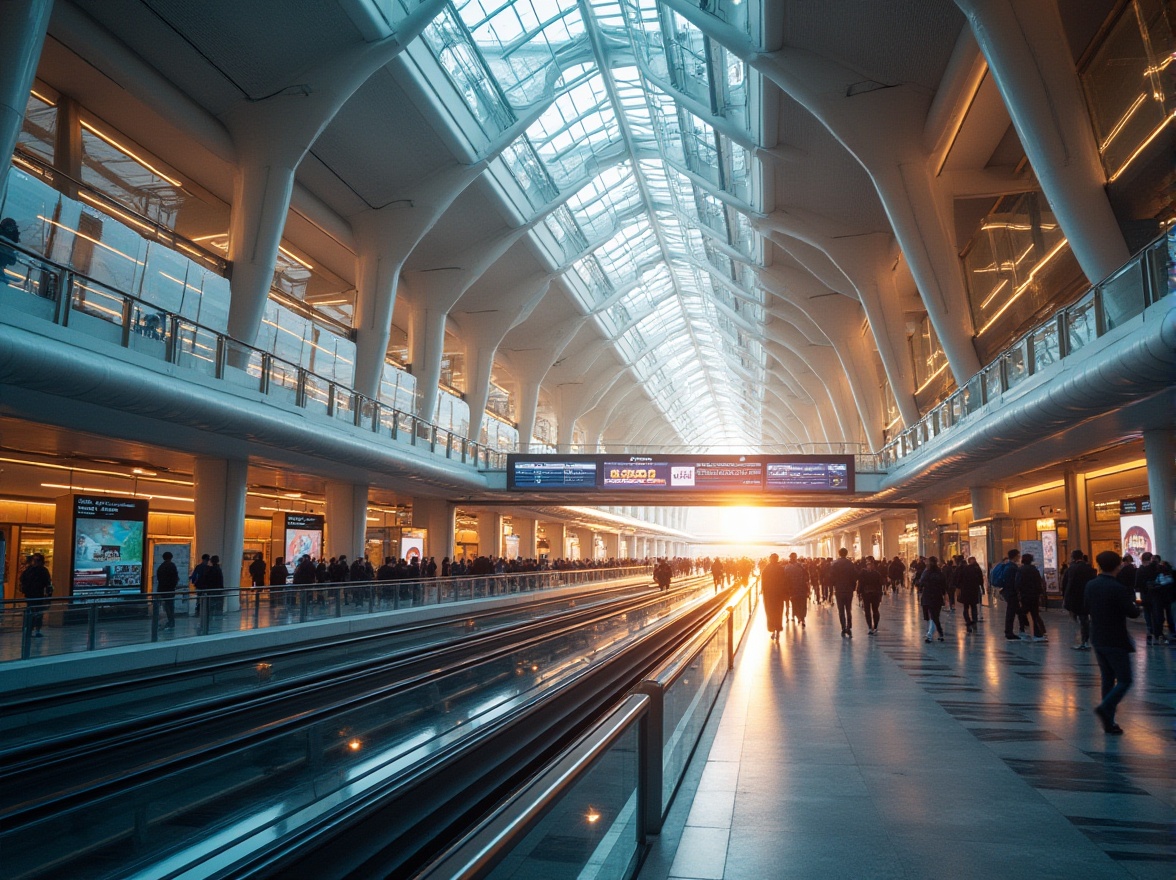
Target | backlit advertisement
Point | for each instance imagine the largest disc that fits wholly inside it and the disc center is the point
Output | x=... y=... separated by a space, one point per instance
x=303 y=537
x=1138 y=534
x=108 y=546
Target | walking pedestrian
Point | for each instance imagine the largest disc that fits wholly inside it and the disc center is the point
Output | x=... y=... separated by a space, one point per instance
x=772 y=585
x=1109 y=603
x=1030 y=590
x=167 y=580
x=1074 y=581
x=932 y=595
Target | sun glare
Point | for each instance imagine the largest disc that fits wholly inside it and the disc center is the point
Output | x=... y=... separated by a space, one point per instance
x=741 y=523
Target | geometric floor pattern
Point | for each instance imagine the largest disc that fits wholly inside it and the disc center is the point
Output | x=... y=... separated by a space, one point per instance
x=885 y=757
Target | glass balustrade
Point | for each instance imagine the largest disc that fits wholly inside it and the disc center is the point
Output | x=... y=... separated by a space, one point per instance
x=97 y=311
x=1144 y=281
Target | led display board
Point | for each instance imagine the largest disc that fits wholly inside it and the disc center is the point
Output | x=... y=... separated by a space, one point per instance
x=786 y=474
x=108 y=544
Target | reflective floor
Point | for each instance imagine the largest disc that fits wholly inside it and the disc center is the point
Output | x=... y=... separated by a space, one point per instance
x=883 y=756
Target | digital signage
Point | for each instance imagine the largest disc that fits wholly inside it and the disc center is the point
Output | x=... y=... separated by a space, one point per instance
x=108 y=546
x=791 y=474
x=303 y=537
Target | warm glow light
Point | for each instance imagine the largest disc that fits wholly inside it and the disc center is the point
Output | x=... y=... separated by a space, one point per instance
x=297 y=259
x=1117 y=469
x=98 y=491
x=742 y=523
x=1020 y=289
x=931 y=378
x=593 y=816
x=130 y=153
x=1142 y=147
x=355 y=745
x=1055 y=484
x=88 y=238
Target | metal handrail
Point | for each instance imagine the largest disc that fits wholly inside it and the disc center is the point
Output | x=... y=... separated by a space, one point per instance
x=960 y=405
x=477 y=853
x=294 y=601
x=365 y=412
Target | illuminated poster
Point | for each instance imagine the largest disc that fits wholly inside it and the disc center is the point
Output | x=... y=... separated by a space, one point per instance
x=108 y=545
x=978 y=546
x=1049 y=559
x=412 y=547
x=303 y=537
x=1138 y=534
x=1037 y=548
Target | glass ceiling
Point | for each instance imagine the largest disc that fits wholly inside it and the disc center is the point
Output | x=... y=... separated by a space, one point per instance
x=640 y=167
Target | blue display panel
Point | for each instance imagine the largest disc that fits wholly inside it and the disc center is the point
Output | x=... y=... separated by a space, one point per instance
x=554 y=473
x=793 y=474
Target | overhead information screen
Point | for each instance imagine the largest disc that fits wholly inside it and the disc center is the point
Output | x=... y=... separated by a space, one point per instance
x=793 y=474
x=554 y=473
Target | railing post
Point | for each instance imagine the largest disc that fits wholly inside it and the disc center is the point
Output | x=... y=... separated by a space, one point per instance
x=171 y=347
x=731 y=640
x=26 y=633
x=92 y=627
x=127 y=310
x=300 y=390
x=651 y=768
x=331 y=400
x=154 y=617
x=1100 y=318
x=266 y=362
x=357 y=400
x=220 y=356
x=64 y=296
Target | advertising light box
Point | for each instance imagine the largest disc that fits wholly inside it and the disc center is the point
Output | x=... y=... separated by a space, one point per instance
x=108 y=542
x=303 y=536
x=791 y=474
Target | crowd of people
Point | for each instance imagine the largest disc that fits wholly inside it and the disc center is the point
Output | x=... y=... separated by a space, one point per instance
x=1100 y=601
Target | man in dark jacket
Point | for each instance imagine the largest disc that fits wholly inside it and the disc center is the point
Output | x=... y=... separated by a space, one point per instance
x=213 y=584
x=1152 y=598
x=37 y=587
x=257 y=570
x=1004 y=578
x=870 y=589
x=843 y=576
x=796 y=588
x=1030 y=589
x=1109 y=603
x=896 y=570
x=970 y=581
x=1074 y=581
x=167 y=579
x=932 y=595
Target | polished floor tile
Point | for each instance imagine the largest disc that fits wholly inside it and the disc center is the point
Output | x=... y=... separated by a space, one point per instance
x=884 y=756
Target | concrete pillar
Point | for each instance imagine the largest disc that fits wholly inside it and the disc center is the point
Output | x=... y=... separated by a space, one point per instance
x=346 y=505
x=612 y=545
x=1159 y=448
x=892 y=530
x=1029 y=57
x=438 y=517
x=1077 y=511
x=526 y=529
x=931 y=516
x=489 y=533
x=219 y=489
x=556 y=540
x=988 y=501
x=23 y=24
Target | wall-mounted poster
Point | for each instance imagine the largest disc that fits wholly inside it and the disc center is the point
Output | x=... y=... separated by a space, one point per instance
x=303 y=536
x=1049 y=559
x=108 y=546
x=411 y=547
x=1037 y=548
x=1138 y=534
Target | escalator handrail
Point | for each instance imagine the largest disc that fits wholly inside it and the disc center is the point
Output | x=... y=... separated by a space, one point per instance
x=484 y=847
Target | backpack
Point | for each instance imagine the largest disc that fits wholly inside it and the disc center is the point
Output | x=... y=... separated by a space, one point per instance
x=1004 y=578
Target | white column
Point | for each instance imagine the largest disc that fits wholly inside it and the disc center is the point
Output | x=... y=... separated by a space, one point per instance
x=892 y=530
x=1077 y=511
x=437 y=516
x=1029 y=57
x=23 y=24
x=489 y=533
x=556 y=540
x=988 y=501
x=346 y=516
x=219 y=489
x=525 y=528
x=1159 y=448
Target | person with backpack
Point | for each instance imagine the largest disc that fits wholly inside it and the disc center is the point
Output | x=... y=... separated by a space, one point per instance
x=1004 y=578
